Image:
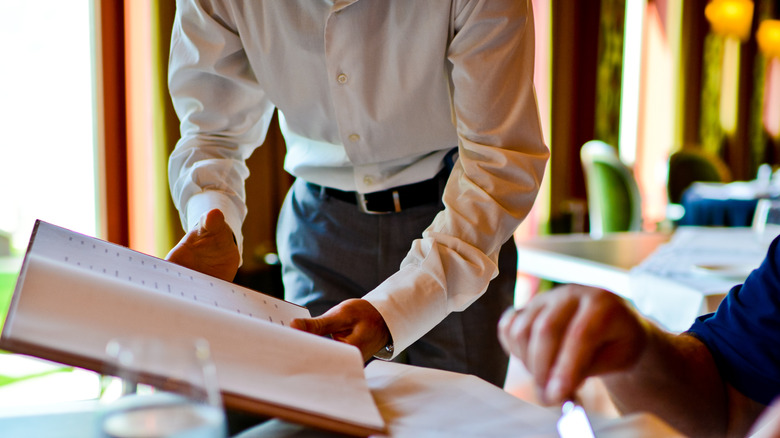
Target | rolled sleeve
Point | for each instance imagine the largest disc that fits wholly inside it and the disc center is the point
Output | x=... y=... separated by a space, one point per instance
x=223 y=111
x=493 y=184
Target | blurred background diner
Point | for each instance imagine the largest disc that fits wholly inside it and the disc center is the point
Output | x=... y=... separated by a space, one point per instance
x=659 y=114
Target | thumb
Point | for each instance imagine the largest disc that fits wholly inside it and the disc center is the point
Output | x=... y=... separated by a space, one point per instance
x=323 y=325
x=213 y=221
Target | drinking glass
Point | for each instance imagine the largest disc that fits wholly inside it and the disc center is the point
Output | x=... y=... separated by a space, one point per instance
x=163 y=388
x=766 y=220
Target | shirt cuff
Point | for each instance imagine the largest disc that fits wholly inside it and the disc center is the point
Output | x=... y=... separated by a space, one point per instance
x=411 y=302
x=203 y=202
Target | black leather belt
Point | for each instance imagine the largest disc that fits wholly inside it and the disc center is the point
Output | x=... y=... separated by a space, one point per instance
x=391 y=200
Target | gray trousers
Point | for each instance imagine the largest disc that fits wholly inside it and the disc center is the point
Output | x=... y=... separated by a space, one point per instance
x=330 y=251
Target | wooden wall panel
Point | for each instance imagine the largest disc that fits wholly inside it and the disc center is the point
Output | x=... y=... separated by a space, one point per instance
x=111 y=121
x=575 y=41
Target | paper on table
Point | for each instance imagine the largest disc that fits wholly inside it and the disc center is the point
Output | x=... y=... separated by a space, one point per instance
x=670 y=287
x=428 y=403
x=422 y=402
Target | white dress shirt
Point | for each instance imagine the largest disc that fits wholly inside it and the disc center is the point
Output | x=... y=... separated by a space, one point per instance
x=371 y=95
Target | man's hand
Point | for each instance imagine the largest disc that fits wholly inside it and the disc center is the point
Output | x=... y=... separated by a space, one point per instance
x=570 y=333
x=353 y=321
x=209 y=248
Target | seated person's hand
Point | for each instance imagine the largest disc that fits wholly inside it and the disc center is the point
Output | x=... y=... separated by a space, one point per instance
x=353 y=321
x=209 y=248
x=570 y=333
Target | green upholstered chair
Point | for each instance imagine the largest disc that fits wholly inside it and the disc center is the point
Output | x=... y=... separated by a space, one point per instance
x=614 y=203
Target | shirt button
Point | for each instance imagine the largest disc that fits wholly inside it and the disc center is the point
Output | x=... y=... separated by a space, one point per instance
x=367 y=180
x=354 y=137
x=342 y=78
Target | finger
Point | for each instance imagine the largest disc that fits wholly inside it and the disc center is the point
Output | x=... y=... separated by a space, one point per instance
x=586 y=335
x=300 y=324
x=519 y=331
x=323 y=325
x=547 y=335
x=508 y=316
x=504 y=325
x=352 y=335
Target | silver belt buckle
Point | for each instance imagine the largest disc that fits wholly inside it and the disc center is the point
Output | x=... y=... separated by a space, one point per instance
x=362 y=203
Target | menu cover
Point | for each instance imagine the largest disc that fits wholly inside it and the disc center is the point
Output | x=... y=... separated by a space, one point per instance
x=75 y=293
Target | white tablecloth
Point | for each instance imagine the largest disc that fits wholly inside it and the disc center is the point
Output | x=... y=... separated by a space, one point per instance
x=677 y=282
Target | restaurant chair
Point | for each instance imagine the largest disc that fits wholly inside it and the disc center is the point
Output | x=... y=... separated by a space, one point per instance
x=614 y=203
x=687 y=166
x=690 y=165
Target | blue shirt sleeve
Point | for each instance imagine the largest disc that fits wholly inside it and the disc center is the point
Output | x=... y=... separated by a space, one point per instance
x=743 y=335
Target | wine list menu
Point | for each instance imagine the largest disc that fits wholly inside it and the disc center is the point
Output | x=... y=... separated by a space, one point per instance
x=75 y=293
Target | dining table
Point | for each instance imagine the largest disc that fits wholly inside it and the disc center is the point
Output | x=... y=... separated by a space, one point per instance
x=413 y=401
x=670 y=278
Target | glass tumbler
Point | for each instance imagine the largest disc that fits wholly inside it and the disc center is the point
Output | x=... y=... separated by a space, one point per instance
x=162 y=388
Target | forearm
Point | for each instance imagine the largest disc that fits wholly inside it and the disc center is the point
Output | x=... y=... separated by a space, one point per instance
x=677 y=380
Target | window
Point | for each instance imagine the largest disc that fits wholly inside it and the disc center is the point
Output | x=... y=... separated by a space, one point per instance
x=47 y=169
x=47 y=161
